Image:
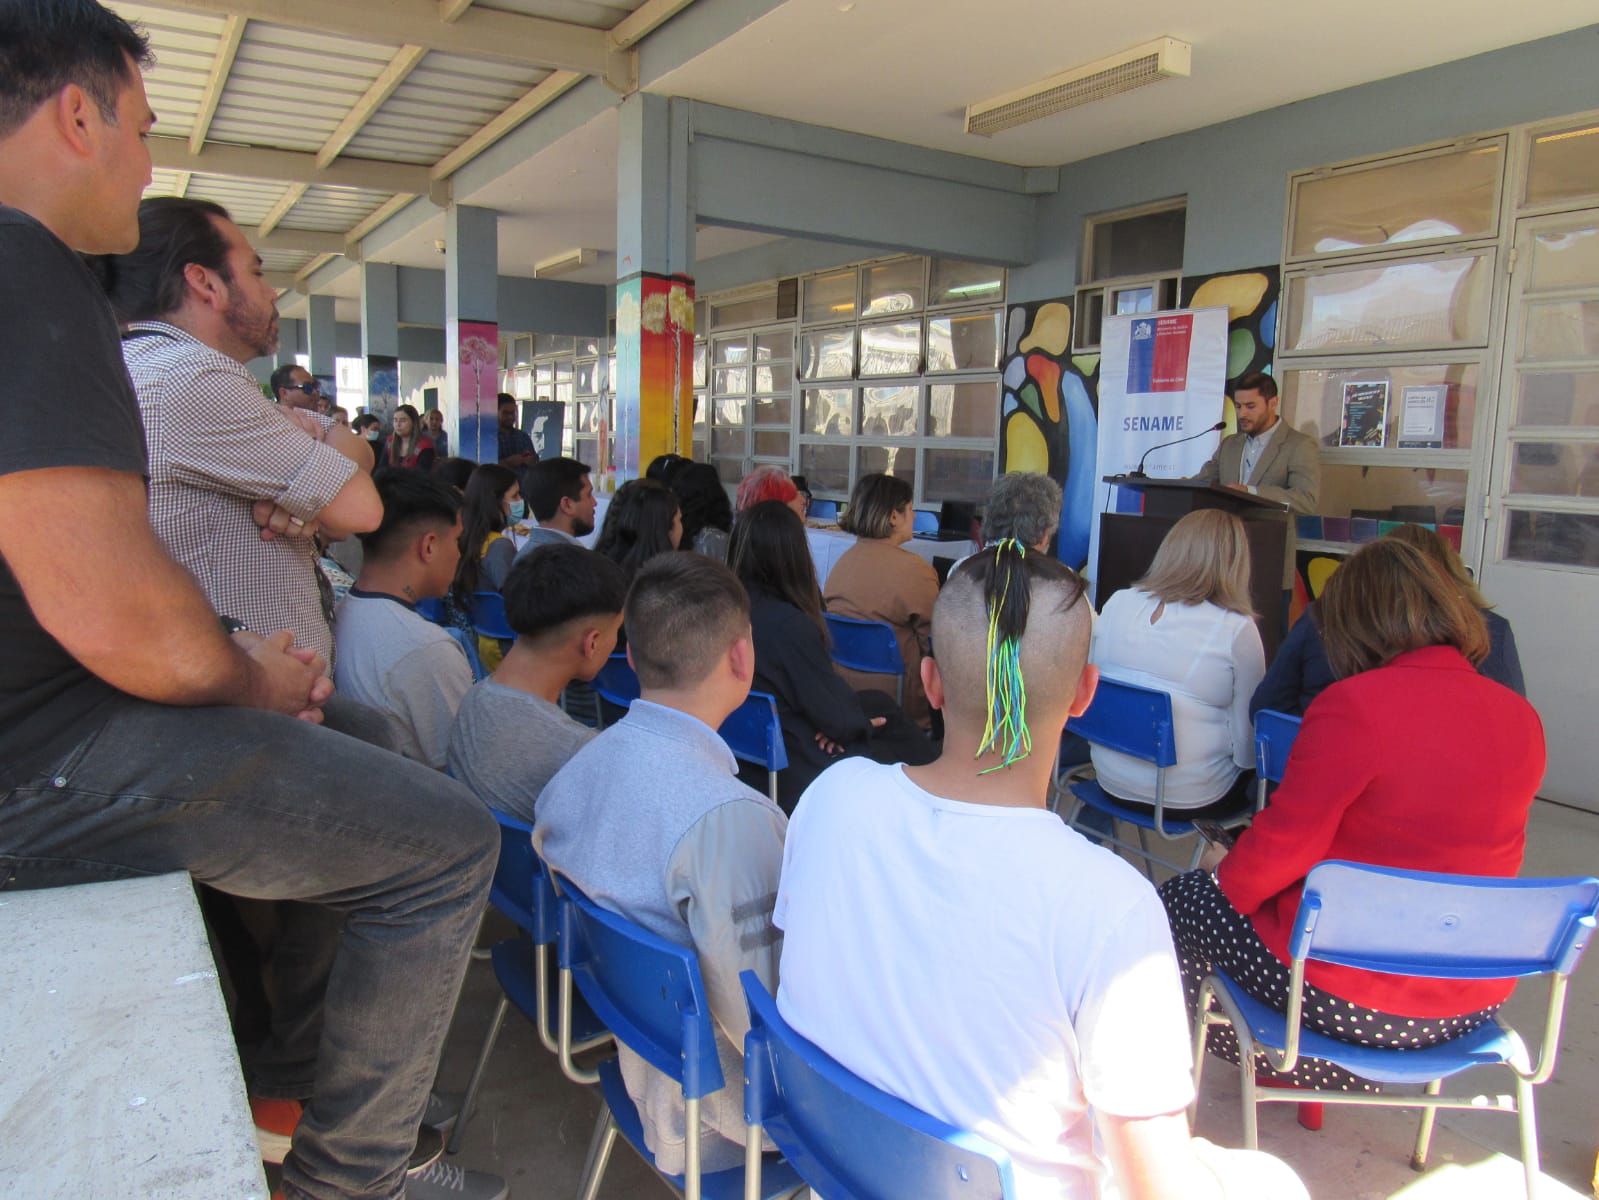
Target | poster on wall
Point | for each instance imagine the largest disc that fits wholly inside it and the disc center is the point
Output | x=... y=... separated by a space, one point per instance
x=1421 y=416
x=545 y=422
x=476 y=351
x=382 y=387
x=1365 y=415
x=1161 y=379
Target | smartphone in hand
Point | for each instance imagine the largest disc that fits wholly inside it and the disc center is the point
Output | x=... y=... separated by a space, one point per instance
x=1215 y=833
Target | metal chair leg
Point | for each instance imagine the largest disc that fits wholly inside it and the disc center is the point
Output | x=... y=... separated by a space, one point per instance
x=1429 y=1115
x=1246 y=1081
x=454 y=1142
x=1201 y=1033
x=1527 y=1116
x=752 y=1162
x=600 y=1154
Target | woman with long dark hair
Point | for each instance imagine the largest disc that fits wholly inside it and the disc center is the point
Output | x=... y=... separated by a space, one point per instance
x=707 y=514
x=876 y=579
x=493 y=501
x=409 y=446
x=823 y=719
x=1411 y=759
x=643 y=520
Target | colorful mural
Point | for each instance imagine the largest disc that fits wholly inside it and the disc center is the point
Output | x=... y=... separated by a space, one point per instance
x=1049 y=419
x=474 y=354
x=654 y=368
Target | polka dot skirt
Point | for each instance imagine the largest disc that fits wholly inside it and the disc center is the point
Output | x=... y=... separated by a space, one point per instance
x=1210 y=933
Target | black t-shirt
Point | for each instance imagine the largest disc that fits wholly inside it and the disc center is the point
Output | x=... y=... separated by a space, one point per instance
x=65 y=401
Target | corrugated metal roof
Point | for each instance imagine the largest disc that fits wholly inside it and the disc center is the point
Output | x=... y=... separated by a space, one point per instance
x=284 y=260
x=290 y=88
x=185 y=45
x=333 y=210
x=444 y=101
x=163 y=183
x=247 y=200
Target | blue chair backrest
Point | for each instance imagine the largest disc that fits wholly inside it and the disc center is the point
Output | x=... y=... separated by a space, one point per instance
x=1134 y=720
x=488 y=616
x=1443 y=926
x=822 y=510
x=924 y=522
x=868 y=646
x=512 y=889
x=753 y=733
x=617 y=681
x=847 y=1138
x=644 y=989
x=431 y=608
x=1274 y=738
x=468 y=644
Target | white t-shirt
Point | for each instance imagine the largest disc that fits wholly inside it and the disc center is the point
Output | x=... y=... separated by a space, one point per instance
x=1210 y=661
x=987 y=965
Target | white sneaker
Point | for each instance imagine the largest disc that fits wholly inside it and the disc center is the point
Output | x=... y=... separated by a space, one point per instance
x=442 y=1180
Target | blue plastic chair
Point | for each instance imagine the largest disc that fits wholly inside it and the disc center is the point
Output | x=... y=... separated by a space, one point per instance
x=650 y=994
x=867 y=646
x=847 y=1139
x=1415 y=923
x=468 y=644
x=488 y=616
x=431 y=608
x=616 y=683
x=1274 y=738
x=924 y=522
x=522 y=891
x=825 y=511
x=1136 y=721
x=753 y=733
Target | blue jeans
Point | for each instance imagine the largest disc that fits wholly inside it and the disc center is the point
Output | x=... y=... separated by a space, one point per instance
x=263 y=806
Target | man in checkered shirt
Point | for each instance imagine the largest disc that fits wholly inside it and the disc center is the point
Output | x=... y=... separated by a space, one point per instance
x=238 y=485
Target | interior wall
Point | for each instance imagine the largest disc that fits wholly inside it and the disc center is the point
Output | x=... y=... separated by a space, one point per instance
x=1235 y=174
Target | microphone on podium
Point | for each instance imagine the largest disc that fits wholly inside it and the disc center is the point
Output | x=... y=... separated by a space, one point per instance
x=1138 y=472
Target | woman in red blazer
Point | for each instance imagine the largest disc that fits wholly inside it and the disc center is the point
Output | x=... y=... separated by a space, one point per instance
x=1410 y=760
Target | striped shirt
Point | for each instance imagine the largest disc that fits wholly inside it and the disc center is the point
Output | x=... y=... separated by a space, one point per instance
x=217 y=445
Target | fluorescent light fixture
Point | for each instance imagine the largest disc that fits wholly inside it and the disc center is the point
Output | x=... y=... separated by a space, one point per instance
x=565 y=263
x=974 y=289
x=1149 y=63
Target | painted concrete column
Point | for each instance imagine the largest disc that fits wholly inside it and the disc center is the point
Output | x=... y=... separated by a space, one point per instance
x=654 y=386
x=322 y=327
x=380 y=337
x=291 y=341
x=471 y=328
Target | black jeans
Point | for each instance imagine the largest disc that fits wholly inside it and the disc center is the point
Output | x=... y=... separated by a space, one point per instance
x=264 y=806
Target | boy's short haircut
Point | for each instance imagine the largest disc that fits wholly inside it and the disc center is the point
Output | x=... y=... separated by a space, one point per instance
x=549 y=481
x=682 y=614
x=560 y=583
x=411 y=501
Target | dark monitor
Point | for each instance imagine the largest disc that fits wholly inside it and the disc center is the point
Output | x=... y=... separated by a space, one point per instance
x=956 y=516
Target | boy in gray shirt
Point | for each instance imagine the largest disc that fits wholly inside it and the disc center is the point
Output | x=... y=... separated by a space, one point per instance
x=650 y=820
x=510 y=736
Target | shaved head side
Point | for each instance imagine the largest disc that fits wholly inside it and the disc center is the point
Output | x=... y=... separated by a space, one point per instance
x=1055 y=622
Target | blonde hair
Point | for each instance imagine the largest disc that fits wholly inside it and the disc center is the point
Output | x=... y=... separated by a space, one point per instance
x=1391 y=598
x=1431 y=543
x=1204 y=558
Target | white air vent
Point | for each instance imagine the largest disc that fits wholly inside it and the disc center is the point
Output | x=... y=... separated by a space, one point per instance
x=1149 y=63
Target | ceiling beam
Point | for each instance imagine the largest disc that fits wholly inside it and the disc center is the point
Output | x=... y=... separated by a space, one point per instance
x=287 y=166
x=551 y=87
x=389 y=208
x=304 y=241
x=286 y=202
x=304 y=273
x=644 y=20
x=477 y=33
x=182 y=185
x=451 y=10
x=221 y=68
x=384 y=86
x=282 y=281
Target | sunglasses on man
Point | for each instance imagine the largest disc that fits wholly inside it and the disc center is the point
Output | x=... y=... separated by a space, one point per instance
x=313 y=388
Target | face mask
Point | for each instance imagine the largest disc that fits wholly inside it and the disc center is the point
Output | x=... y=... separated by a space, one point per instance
x=374 y=435
x=518 y=509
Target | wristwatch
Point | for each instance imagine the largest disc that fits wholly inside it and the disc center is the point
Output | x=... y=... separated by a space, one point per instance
x=231 y=626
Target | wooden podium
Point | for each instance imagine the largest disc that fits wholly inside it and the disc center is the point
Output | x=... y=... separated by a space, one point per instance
x=1128 y=541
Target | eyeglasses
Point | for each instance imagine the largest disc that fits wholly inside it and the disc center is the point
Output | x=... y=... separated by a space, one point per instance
x=312 y=388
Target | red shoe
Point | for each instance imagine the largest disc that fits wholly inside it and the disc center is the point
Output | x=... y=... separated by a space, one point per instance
x=275 y=1121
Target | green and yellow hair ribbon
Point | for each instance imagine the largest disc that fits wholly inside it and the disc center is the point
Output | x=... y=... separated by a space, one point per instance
x=1006 y=731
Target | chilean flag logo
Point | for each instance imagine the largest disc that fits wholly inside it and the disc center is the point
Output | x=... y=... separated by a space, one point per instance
x=1157 y=357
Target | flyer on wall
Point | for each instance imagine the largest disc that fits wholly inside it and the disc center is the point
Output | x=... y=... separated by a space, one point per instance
x=1421 y=416
x=1365 y=420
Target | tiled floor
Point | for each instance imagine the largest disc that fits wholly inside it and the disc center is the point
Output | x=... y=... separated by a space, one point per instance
x=532 y=1126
